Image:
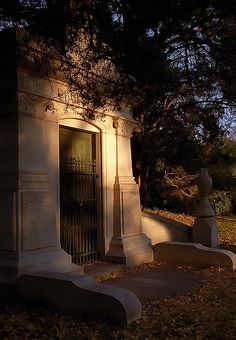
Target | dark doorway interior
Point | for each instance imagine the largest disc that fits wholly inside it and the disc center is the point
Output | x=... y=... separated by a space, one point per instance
x=79 y=194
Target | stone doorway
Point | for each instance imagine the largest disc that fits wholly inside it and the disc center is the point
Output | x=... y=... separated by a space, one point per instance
x=79 y=194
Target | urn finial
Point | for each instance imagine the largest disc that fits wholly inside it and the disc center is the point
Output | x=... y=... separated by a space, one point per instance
x=204 y=183
x=205 y=229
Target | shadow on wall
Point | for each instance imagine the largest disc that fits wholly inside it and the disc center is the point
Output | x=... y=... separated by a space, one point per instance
x=160 y=229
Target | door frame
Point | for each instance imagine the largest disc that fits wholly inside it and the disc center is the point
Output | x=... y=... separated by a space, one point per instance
x=79 y=125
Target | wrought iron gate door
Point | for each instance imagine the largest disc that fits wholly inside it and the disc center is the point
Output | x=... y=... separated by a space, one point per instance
x=79 y=198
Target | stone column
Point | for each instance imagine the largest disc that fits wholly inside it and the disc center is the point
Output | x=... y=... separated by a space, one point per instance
x=128 y=245
x=29 y=193
x=205 y=227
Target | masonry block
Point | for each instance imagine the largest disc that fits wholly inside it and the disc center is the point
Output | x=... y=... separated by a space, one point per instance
x=70 y=293
x=194 y=254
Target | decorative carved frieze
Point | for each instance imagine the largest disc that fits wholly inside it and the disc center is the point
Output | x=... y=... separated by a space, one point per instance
x=26 y=103
x=68 y=97
x=123 y=127
x=37 y=106
x=50 y=108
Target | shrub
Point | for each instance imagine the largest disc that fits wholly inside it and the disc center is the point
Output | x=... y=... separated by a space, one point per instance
x=221 y=202
x=174 y=189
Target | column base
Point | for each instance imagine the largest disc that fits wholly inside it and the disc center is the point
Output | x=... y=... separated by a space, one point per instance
x=131 y=250
x=56 y=260
x=205 y=231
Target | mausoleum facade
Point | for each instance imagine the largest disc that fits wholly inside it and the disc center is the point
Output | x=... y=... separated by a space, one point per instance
x=67 y=192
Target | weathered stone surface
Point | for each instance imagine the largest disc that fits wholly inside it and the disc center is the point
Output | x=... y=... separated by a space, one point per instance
x=55 y=261
x=130 y=250
x=8 y=220
x=30 y=192
x=160 y=229
x=205 y=229
x=70 y=293
x=38 y=220
x=193 y=254
x=129 y=244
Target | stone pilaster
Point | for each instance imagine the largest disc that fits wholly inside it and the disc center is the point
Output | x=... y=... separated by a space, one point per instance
x=29 y=193
x=128 y=245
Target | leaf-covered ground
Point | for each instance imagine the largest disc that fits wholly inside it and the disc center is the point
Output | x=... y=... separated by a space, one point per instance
x=207 y=312
x=181 y=218
x=226 y=226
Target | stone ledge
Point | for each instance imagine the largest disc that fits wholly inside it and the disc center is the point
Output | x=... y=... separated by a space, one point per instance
x=161 y=229
x=194 y=254
x=70 y=293
x=181 y=226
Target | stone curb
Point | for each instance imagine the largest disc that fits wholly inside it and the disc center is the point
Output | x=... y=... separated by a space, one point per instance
x=194 y=254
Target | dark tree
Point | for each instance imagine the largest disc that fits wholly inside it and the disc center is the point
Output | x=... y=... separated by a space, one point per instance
x=172 y=62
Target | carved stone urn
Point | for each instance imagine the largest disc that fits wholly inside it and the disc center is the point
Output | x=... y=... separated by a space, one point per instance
x=203 y=207
x=204 y=182
x=205 y=229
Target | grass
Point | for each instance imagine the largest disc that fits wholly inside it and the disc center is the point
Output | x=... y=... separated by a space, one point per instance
x=207 y=312
x=227 y=232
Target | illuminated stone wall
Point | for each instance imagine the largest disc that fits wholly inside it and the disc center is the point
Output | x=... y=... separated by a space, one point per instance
x=29 y=179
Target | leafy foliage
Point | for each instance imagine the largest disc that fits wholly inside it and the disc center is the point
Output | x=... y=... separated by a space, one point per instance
x=223 y=161
x=222 y=169
x=175 y=56
x=171 y=62
x=221 y=202
x=172 y=188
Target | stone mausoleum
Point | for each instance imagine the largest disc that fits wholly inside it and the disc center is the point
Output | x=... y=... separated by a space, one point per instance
x=68 y=196
x=67 y=193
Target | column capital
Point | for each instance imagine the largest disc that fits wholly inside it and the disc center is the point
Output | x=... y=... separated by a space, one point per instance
x=124 y=127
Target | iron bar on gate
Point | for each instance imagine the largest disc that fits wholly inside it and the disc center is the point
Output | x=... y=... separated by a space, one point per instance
x=79 y=220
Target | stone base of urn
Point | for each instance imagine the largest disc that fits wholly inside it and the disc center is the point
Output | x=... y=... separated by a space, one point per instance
x=205 y=231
